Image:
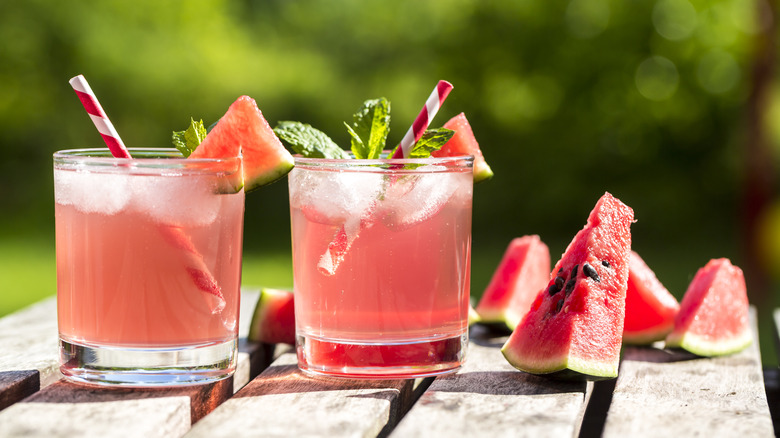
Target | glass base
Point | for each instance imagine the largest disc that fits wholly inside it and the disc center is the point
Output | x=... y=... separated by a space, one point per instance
x=399 y=360
x=147 y=367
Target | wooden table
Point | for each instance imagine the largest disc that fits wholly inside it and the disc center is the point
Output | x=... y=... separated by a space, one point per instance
x=658 y=393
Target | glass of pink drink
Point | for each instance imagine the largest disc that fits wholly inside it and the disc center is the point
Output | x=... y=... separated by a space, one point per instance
x=148 y=266
x=381 y=261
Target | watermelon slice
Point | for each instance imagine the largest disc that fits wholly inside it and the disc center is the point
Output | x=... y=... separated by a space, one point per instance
x=523 y=271
x=274 y=319
x=473 y=316
x=650 y=308
x=714 y=313
x=575 y=325
x=244 y=131
x=464 y=143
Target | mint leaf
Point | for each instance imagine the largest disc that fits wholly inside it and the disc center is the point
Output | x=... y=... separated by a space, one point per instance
x=370 y=125
x=431 y=140
x=186 y=141
x=307 y=141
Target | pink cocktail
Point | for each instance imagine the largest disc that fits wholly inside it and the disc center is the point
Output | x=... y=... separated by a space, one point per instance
x=148 y=266
x=381 y=260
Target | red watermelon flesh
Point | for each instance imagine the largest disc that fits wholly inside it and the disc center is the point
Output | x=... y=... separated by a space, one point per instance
x=274 y=319
x=650 y=308
x=522 y=272
x=714 y=314
x=243 y=130
x=463 y=142
x=575 y=325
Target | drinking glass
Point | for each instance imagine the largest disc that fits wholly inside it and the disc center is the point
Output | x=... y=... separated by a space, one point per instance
x=148 y=266
x=381 y=261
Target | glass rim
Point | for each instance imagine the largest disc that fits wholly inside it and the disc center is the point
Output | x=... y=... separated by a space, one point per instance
x=459 y=161
x=143 y=157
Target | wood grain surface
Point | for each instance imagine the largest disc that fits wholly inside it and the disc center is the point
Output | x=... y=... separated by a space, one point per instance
x=674 y=393
x=488 y=397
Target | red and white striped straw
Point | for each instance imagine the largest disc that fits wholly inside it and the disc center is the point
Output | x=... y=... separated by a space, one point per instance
x=99 y=118
x=423 y=119
x=195 y=266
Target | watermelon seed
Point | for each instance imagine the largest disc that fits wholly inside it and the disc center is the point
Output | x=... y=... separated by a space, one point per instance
x=570 y=286
x=605 y=263
x=590 y=272
x=556 y=286
x=558 y=306
x=572 y=280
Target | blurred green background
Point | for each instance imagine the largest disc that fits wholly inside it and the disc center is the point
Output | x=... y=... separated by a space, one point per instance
x=671 y=105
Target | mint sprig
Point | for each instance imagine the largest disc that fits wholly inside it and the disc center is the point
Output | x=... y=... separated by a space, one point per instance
x=369 y=128
x=308 y=141
x=368 y=132
x=186 y=141
x=431 y=140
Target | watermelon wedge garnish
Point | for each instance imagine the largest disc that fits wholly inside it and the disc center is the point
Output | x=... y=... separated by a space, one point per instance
x=575 y=326
x=244 y=131
x=714 y=314
x=274 y=319
x=464 y=143
x=523 y=271
x=650 y=308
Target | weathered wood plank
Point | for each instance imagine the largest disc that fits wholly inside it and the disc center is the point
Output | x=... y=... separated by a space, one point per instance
x=284 y=402
x=67 y=409
x=29 y=340
x=488 y=397
x=674 y=393
x=16 y=385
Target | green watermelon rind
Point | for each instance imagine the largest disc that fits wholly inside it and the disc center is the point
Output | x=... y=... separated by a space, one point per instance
x=260 y=314
x=700 y=346
x=647 y=337
x=574 y=368
x=530 y=358
x=506 y=318
x=473 y=317
x=284 y=166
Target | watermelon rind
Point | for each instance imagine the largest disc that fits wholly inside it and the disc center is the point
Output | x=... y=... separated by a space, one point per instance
x=650 y=308
x=702 y=346
x=714 y=316
x=464 y=143
x=259 y=330
x=523 y=271
x=243 y=131
x=561 y=368
x=647 y=337
x=473 y=316
x=576 y=322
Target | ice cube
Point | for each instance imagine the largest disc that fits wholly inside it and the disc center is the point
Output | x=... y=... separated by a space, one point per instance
x=91 y=192
x=412 y=199
x=176 y=200
x=333 y=197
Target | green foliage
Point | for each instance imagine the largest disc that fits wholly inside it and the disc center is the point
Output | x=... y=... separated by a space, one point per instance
x=431 y=140
x=369 y=128
x=310 y=142
x=188 y=140
x=568 y=98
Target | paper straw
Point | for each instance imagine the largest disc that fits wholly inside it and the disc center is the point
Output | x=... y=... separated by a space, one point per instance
x=195 y=266
x=99 y=118
x=423 y=119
